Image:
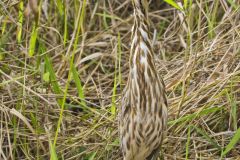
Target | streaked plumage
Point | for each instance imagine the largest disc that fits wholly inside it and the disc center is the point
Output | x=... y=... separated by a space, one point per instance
x=143 y=112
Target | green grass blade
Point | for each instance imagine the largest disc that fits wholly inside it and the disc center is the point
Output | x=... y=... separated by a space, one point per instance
x=53 y=79
x=113 y=105
x=214 y=17
x=33 y=39
x=232 y=101
x=110 y=16
x=188 y=142
x=79 y=25
x=4 y=25
x=235 y=139
x=46 y=77
x=65 y=34
x=20 y=20
x=119 y=60
x=92 y=156
x=195 y=115
x=233 y=4
x=2 y=56
x=53 y=152
x=79 y=86
x=185 y=4
x=105 y=20
x=207 y=137
x=234 y=114
x=117 y=77
x=174 y=4
x=34 y=33
x=60 y=7
x=62 y=108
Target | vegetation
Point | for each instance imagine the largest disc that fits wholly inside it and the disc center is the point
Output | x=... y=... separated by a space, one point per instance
x=64 y=64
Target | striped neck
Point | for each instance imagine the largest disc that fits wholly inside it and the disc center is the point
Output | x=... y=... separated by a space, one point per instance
x=141 y=48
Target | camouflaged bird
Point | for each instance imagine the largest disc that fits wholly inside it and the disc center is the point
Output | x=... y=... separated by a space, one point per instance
x=143 y=111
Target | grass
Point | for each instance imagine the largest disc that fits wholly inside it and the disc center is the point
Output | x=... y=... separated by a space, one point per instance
x=64 y=64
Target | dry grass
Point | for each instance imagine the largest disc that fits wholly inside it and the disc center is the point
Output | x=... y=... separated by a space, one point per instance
x=197 y=53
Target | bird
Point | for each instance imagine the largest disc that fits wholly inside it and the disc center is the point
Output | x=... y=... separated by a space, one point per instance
x=143 y=111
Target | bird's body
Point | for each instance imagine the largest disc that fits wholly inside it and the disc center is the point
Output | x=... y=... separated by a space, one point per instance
x=143 y=112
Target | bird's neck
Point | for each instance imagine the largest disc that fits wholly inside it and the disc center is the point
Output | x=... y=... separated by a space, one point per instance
x=141 y=47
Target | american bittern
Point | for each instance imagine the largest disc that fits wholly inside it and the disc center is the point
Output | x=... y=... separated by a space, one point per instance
x=143 y=113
